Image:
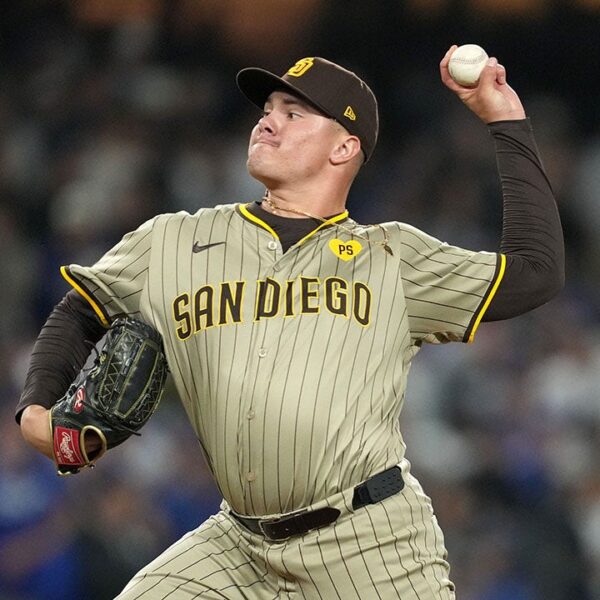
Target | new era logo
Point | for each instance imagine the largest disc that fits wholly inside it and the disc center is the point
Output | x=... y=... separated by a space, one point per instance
x=349 y=112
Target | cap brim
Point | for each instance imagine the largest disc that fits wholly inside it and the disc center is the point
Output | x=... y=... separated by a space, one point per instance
x=258 y=84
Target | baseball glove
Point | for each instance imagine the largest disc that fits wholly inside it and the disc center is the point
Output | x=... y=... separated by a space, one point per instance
x=113 y=398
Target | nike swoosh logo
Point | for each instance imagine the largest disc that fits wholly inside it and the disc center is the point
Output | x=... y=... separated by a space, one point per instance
x=198 y=248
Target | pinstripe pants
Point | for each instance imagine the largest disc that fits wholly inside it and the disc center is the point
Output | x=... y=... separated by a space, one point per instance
x=392 y=549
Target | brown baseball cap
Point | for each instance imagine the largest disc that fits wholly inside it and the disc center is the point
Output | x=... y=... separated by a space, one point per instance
x=335 y=91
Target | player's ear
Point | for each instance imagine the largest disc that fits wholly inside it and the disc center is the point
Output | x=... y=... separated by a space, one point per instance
x=345 y=150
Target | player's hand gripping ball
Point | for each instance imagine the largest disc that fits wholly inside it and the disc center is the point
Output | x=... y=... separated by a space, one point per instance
x=114 y=398
x=466 y=64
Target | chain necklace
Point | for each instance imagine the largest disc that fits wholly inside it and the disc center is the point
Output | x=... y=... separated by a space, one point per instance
x=383 y=244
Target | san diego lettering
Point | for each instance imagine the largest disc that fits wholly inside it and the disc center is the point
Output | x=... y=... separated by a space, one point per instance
x=223 y=304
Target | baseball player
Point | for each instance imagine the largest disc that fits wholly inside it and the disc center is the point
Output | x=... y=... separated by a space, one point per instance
x=289 y=330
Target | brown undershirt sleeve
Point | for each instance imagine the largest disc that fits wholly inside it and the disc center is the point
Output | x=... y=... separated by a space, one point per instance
x=61 y=349
x=532 y=238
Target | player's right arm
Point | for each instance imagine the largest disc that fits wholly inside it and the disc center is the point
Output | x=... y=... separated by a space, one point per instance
x=102 y=292
x=60 y=351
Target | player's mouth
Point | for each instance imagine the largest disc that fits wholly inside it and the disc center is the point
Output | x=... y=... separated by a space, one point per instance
x=267 y=142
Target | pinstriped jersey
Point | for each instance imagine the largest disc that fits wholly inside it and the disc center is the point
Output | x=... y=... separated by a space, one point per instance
x=292 y=366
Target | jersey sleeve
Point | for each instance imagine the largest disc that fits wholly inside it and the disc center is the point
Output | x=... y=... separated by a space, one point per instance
x=447 y=289
x=114 y=285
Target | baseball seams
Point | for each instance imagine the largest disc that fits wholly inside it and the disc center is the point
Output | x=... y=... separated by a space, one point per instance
x=466 y=64
x=469 y=61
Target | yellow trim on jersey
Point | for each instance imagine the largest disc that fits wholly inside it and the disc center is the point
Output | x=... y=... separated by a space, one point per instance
x=267 y=227
x=258 y=221
x=489 y=298
x=82 y=292
x=331 y=221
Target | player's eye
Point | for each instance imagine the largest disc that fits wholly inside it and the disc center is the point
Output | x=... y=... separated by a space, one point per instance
x=293 y=115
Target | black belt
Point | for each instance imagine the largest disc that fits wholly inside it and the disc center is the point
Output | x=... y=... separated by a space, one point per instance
x=380 y=486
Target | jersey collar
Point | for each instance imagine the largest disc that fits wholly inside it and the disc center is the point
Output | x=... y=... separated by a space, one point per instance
x=244 y=212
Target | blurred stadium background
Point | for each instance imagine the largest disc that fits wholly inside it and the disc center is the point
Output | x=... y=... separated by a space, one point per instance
x=114 y=110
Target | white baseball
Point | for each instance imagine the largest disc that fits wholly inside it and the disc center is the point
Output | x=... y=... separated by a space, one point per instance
x=466 y=64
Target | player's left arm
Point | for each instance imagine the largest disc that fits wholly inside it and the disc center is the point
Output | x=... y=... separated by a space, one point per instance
x=532 y=237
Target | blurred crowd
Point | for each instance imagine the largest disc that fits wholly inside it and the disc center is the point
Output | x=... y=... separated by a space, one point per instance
x=113 y=111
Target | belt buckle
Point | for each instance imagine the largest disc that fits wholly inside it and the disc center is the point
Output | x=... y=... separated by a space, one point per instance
x=265 y=533
x=279 y=520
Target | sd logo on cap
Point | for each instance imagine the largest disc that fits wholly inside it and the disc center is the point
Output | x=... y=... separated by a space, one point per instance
x=301 y=67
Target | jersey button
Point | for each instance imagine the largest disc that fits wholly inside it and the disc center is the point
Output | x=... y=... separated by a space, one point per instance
x=262 y=352
x=272 y=245
x=251 y=414
x=250 y=476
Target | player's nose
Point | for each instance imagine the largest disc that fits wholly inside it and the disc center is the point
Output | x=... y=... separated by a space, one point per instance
x=267 y=123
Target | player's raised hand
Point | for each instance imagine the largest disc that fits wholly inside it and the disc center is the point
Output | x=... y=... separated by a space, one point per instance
x=492 y=99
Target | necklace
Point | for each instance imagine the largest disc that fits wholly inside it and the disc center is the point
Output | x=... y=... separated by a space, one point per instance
x=383 y=243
